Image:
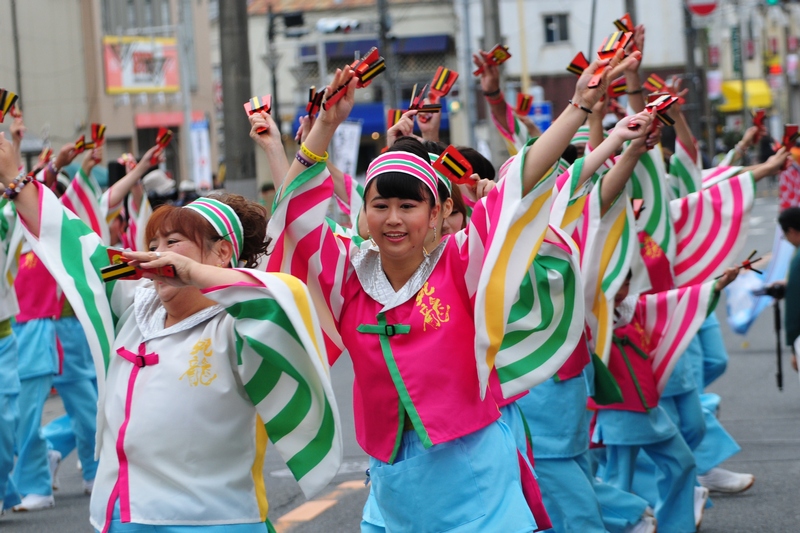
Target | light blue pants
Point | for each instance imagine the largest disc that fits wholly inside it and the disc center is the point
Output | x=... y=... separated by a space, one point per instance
x=675 y=481
x=8 y=423
x=118 y=527
x=32 y=472
x=77 y=428
x=569 y=495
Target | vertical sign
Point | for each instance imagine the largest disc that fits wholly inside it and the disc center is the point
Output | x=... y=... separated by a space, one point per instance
x=736 y=49
x=345 y=145
x=201 y=152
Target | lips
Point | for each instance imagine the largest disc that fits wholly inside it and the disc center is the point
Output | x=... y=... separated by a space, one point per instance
x=395 y=237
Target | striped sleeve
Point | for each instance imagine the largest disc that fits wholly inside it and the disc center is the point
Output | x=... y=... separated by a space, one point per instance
x=606 y=255
x=687 y=173
x=711 y=228
x=83 y=197
x=285 y=372
x=303 y=245
x=137 y=222
x=670 y=320
x=648 y=183
x=546 y=320
x=351 y=206
x=504 y=235
x=569 y=196
x=712 y=176
x=517 y=139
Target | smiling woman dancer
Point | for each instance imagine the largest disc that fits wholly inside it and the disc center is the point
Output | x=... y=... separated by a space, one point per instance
x=405 y=306
x=195 y=370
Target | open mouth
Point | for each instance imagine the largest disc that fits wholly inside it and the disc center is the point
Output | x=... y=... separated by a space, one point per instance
x=395 y=236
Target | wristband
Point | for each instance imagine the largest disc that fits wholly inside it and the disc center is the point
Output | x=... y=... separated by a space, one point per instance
x=498 y=99
x=491 y=94
x=635 y=91
x=51 y=166
x=305 y=162
x=582 y=108
x=312 y=156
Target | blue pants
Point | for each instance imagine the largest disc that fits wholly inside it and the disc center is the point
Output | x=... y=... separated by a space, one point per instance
x=675 y=481
x=77 y=428
x=32 y=472
x=620 y=508
x=8 y=424
x=569 y=495
x=118 y=527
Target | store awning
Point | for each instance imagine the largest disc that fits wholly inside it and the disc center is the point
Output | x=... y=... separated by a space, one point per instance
x=759 y=95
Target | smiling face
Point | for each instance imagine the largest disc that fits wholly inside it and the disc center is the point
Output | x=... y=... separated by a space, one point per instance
x=399 y=226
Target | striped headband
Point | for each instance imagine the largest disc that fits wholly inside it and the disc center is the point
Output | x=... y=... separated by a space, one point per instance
x=581 y=136
x=224 y=220
x=440 y=176
x=406 y=163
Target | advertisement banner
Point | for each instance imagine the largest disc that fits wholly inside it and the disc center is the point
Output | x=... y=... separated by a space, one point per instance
x=201 y=153
x=141 y=64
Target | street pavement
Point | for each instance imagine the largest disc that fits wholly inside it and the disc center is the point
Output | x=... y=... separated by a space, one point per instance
x=765 y=422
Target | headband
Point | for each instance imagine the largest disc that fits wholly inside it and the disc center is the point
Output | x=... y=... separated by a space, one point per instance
x=406 y=163
x=442 y=178
x=224 y=220
x=581 y=136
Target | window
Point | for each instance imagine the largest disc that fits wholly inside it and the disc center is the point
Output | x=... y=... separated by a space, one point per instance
x=555 y=28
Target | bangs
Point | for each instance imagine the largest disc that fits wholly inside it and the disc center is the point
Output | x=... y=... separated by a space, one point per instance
x=168 y=219
x=403 y=186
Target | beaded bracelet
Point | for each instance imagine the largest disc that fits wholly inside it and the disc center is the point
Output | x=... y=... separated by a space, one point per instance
x=305 y=162
x=13 y=188
x=635 y=91
x=582 y=108
x=491 y=94
x=311 y=155
x=51 y=166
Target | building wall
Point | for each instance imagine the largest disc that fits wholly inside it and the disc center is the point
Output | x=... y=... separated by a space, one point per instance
x=53 y=95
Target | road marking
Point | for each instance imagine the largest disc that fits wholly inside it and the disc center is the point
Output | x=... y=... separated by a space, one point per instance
x=313 y=508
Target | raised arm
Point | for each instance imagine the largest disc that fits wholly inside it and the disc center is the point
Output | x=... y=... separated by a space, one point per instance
x=490 y=85
x=615 y=180
x=771 y=166
x=118 y=191
x=271 y=143
x=633 y=80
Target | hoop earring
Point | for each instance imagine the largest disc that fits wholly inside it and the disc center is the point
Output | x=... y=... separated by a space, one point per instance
x=369 y=237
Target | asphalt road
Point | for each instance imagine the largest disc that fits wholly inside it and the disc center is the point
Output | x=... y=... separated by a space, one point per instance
x=765 y=422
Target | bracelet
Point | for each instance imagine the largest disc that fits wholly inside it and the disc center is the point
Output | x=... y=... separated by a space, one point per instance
x=635 y=91
x=51 y=166
x=312 y=156
x=491 y=94
x=305 y=162
x=582 y=108
x=13 y=188
x=498 y=100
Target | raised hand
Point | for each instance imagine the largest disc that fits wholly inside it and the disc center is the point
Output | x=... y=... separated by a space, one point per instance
x=263 y=120
x=429 y=124
x=338 y=112
x=726 y=278
x=633 y=126
x=490 y=77
x=586 y=96
x=404 y=127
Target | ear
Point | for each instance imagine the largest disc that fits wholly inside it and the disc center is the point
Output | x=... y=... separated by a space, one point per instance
x=224 y=251
x=434 y=215
x=447 y=208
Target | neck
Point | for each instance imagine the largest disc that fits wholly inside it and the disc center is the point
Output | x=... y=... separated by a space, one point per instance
x=188 y=302
x=399 y=271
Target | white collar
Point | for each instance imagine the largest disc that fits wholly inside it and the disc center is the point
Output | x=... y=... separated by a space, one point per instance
x=151 y=314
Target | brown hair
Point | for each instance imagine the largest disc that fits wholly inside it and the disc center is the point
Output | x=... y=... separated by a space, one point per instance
x=168 y=219
x=458 y=205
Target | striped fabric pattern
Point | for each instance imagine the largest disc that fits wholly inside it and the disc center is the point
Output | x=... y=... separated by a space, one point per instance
x=280 y=331
x=286 y=374
x=609 y=247
x=517 y=139
x=674 y=317
x=545 y=322
x=687 y=173
x=83 y=197
x=648 y=183
x=516 y=229
x=712 y=176
x=351 y=206
x=224 y=220
x=10 y=245
x=137 y=222
x=711 y=227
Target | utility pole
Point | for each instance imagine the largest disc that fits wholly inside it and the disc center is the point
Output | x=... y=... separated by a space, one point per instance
x=467 y=81
x=15 y=34
x=235 y=59
x=630 y=8
x=185 y=39
x=491 y=37
x=391 y=90
x=693 y=105
x=272 y=62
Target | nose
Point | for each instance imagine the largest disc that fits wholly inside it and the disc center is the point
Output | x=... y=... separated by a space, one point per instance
x=393 y=217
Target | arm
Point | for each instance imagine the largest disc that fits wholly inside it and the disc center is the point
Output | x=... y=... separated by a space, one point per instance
x=682 y=130
x=608 y=147
x=271 y=143
x=17 y=132
x=63 y=158
x=118 y=191
x=770 y=167
x=403 y=128
x=595 y=121
x=490 y=84
x=632 y=78
x=614 y=182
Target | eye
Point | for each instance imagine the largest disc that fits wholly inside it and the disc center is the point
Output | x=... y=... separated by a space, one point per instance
x=151 y=248
x=408 y=206
x=379 y=206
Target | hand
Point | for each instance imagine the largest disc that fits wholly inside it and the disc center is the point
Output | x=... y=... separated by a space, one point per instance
x=404 y=126
x=306 y=123
x=8 y=160
x=653 y=136
x=629 y=64
x=91 y=159
x=271 y=137
x=586 y=96
x=641 y=121
x=490 y=77
x=675 y=87
x=337 y=113
x=599 y=110
x=776 y=162
x=149 y=261
x=530 y=125
x=477 y=189
x=144 y=162
x=97 y=153
x=726 y=279
x=750 y=136
x=17 y=129
x=638 y=37
x=65 y=156
x=429 y=124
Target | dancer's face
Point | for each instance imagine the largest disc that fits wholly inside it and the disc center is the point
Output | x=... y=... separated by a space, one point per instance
x=399 y=226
